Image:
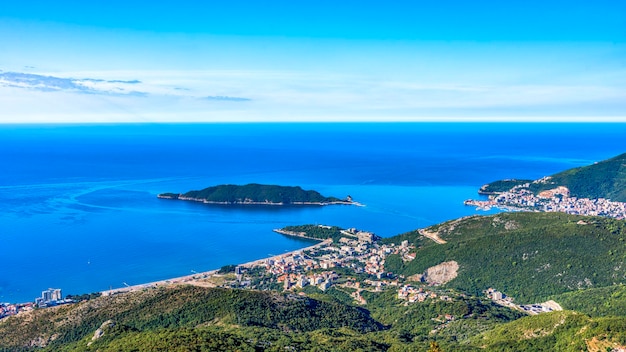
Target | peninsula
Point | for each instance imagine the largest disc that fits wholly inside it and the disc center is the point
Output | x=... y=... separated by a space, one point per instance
x=257 y=194
x=597 y=189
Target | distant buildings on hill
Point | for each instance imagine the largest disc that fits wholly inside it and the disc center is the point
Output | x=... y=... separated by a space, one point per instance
x=50 y=297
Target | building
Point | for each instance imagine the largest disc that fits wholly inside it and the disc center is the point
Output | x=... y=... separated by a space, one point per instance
x=51 y=296
x=366 y=237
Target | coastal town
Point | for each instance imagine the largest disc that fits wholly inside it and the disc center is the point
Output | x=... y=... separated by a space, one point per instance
x=558 y=199
x=49 y=298
x=351 y=262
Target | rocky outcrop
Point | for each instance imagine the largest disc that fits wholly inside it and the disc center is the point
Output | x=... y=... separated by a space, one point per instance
x=442 y=273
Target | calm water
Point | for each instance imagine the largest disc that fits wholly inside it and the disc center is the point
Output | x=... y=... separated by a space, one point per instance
x=79 y=206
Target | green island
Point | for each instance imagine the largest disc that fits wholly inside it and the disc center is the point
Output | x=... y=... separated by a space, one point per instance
x=521 y=281
x=258 y=194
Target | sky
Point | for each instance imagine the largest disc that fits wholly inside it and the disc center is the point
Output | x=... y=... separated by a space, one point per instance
x=243 y=61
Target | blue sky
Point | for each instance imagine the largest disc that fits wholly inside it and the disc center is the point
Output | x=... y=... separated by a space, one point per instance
x=188 y=61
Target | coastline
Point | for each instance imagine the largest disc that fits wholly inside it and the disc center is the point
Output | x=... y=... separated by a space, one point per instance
x=204 y=201
x=194 y=279
x=297 y=234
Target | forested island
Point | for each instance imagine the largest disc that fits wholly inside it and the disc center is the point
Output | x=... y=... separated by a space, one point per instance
x=258 y=194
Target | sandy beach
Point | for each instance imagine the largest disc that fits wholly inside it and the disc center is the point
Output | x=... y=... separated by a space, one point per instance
x=194 y=279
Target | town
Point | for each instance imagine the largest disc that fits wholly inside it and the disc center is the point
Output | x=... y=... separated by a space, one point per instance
x=49 y=298
x=520 y=197
x=345 y=262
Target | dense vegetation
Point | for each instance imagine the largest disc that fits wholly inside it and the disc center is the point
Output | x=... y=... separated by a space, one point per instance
x=316 y=231
x=530 y=256
x=557 y=331
x=596 y=302
x=604 y=179
x=183 y=307
x=415 y=322
x=501 y=186
x=254 y=193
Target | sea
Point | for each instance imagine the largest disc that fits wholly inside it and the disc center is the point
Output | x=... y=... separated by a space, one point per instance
x=79 y=208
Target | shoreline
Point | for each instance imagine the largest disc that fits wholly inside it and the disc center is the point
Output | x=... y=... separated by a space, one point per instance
x=196 y=277
x=204 y=201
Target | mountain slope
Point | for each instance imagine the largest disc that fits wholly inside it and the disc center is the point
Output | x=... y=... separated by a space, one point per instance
x=177 y=308
x=530 y=256
x=604 y=179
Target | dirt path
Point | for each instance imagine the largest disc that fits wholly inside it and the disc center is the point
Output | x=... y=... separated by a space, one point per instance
x=432 y=235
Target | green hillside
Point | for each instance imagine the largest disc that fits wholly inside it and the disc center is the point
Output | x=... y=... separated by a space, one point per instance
x=253 y=193
x=596 y=302
x=577 y=261
x=604 y=179
x=557 y=331
x=529 y=256
x=169 y=309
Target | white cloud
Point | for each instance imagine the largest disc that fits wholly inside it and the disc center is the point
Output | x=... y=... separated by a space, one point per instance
x=283 y=95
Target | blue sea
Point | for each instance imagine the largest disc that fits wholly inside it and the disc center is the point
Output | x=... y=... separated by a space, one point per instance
x=79 y=209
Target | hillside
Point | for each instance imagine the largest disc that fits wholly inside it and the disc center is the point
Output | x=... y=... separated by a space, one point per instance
x=529 y=256
x=255 y=194
x=604 y=179
x=596 y=302
x=557 y=331
x=170 y=311
x=577 y=261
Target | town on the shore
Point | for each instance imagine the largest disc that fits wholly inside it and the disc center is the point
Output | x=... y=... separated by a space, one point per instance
x=355 y=261
x=558 y=199
x=347 y=267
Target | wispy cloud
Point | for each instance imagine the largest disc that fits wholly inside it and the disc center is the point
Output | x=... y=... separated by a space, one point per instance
x=292 y=95
x=226 y=98
x=47 y=83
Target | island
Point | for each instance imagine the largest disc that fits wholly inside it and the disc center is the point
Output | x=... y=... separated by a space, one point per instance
x=597 y=189
x=257 y=194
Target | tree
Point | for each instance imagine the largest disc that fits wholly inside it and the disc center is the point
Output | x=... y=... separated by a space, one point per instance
x=434 y=347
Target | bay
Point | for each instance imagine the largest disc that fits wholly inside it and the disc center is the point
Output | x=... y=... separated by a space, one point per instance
x=79 y=206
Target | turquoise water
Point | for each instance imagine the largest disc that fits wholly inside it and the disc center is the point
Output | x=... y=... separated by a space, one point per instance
x=79 y=206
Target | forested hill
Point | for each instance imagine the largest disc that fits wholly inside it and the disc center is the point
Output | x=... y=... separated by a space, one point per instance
x=177 y=318
x=529 y=256
x=604 y=179
x=256 y=194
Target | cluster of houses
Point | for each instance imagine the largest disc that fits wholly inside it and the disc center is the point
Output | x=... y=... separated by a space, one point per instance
x=415 y=294
x=8 y=309
x=322 y=280
x=554 y=200
x=50 y=297
x=356 y=250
